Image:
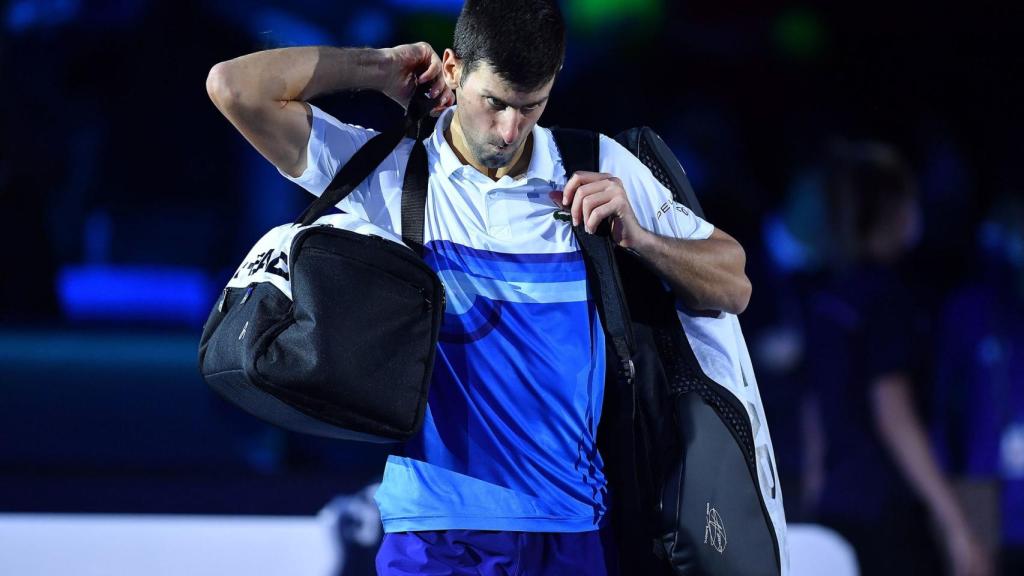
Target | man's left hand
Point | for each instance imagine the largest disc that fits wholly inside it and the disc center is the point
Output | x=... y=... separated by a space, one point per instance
x=594 y=196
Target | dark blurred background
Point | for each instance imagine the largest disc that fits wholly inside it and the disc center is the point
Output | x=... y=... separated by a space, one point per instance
x=130 y=200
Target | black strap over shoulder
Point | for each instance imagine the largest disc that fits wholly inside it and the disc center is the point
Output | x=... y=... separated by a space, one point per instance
x=369 y=156
x=580 y=152
x=627 y=455
x=414 y=188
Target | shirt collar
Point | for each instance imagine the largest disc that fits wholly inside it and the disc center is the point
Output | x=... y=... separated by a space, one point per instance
x=545 y=161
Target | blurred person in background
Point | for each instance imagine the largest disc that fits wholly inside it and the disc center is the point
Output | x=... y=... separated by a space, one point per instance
x=865 y=356
x=979 y=395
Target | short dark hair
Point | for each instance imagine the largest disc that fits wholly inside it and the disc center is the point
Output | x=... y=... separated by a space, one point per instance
x=522 y=40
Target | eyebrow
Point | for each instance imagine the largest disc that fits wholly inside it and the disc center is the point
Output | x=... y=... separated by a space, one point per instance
x=487 y=94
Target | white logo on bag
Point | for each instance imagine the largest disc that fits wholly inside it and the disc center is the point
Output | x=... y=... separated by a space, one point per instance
x=271 y=261
x=243 y=330
x=714 y=530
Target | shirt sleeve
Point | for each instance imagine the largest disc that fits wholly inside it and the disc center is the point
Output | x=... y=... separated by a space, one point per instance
x=889 y=335
x=331 y=144
x=652 y=202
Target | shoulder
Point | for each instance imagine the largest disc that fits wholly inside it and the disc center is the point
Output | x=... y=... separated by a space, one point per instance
x=617 y=160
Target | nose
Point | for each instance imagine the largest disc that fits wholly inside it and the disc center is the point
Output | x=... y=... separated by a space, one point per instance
x=508 y=125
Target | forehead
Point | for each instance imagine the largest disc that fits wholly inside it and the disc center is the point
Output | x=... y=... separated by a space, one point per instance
x=483 y=79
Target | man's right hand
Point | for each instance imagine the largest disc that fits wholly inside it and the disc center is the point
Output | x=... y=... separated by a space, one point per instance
x=412 y=65
x=264 y=94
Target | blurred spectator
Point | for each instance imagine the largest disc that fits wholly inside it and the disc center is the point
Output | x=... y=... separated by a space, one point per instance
x=864 y=357
x=979 y=401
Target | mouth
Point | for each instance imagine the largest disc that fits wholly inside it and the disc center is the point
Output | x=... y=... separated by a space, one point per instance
x=503 y=148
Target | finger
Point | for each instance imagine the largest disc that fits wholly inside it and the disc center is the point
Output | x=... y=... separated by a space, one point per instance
x=424 y=52
x=438 y=87
x=445 y=99
x=581 y=192
x=578 y=179
x=579 y=195
x=591 y=201
x=433 y=68
x=603 y=206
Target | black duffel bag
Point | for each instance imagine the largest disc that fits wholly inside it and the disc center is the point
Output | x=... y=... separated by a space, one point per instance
x=329 y=327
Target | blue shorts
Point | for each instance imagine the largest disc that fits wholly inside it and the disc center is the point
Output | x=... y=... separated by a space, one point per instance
x=476 y=552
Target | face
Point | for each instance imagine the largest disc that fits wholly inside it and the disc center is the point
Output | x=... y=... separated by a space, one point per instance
x=495 y=117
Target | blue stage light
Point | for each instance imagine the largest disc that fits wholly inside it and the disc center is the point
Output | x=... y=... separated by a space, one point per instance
x=451 y=6
x=150 y=294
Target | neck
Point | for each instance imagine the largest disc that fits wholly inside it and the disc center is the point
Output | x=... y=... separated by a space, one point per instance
x=457 y=140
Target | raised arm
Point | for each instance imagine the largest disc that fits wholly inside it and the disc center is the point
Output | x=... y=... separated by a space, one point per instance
x=263 y=94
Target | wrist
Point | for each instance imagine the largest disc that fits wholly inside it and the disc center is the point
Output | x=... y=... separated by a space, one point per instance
x=375 y=67
x=348 y=68
x=643 y=243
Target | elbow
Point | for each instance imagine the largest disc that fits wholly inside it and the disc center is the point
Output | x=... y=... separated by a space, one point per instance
x=728 y=292
x=733 y=300
x=742 y=288
x=220 y=86
x=741 y=298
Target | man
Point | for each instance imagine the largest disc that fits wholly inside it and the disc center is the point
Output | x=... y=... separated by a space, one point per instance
x=505 y=476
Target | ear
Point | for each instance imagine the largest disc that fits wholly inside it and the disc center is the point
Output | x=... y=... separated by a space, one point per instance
x=451 y=67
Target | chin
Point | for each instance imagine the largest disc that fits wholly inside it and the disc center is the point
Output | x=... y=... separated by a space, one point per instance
x=494 y=162
x=488 y=155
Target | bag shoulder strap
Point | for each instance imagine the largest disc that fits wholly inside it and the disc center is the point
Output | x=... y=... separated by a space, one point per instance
x=580 y=150
x=369 y=156
x=414 y=188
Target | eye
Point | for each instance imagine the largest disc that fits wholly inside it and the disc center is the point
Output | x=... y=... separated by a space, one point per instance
x=528 y=109
x=495 y=103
